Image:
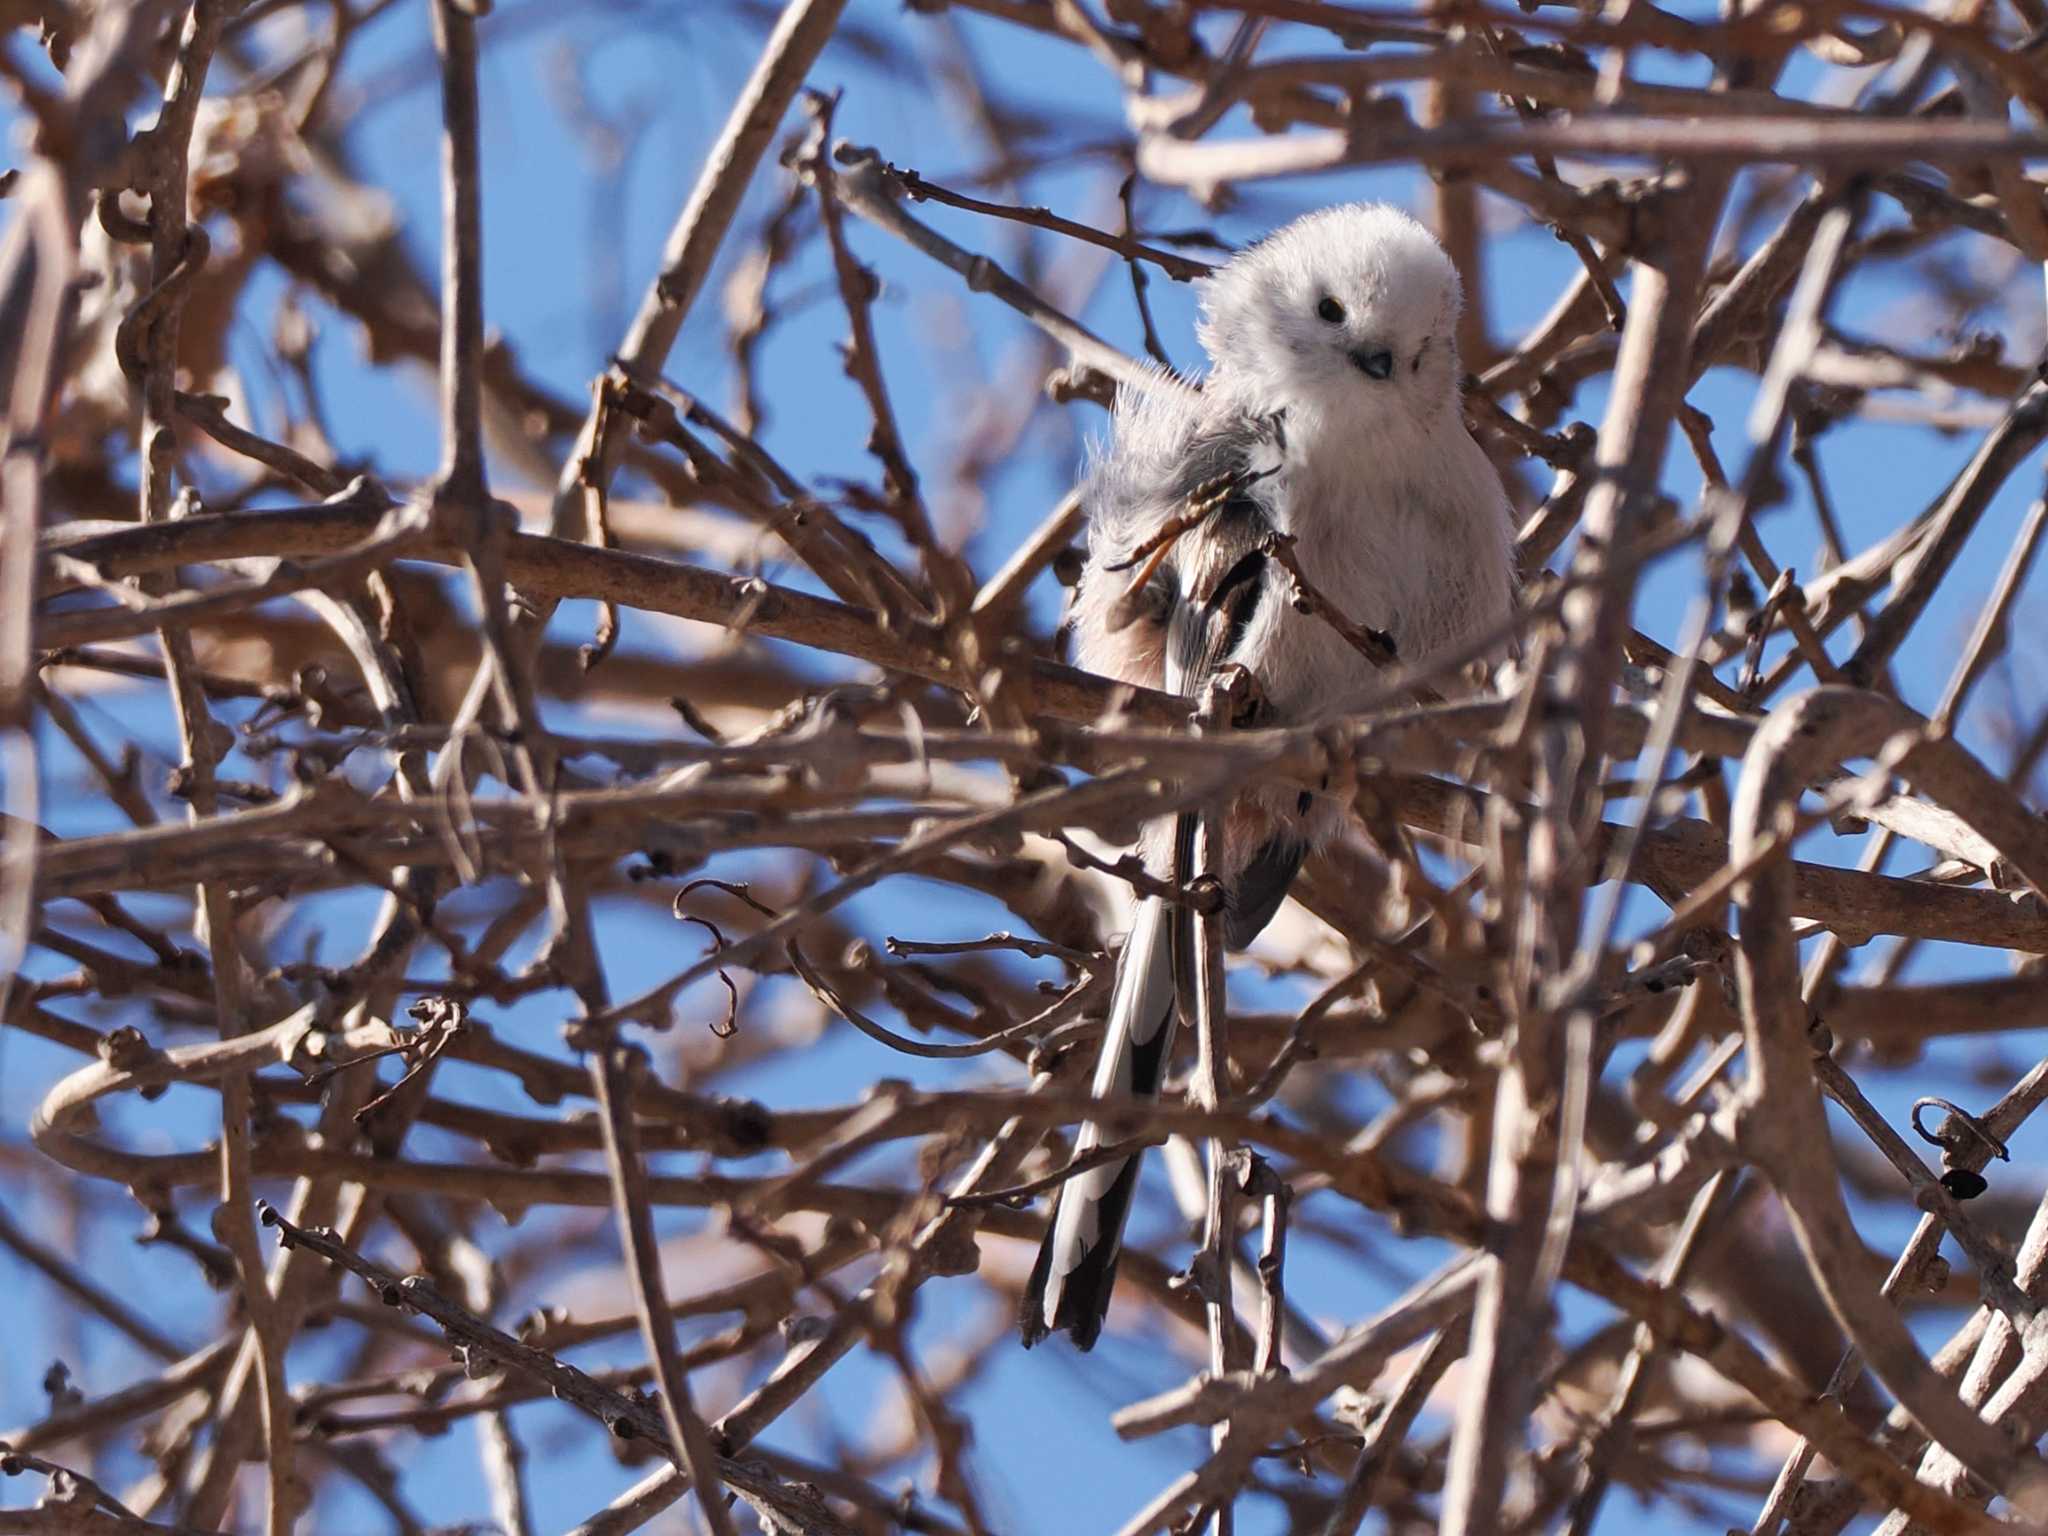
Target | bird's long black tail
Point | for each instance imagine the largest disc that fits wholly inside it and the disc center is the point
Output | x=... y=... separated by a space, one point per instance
x=1076 y=1269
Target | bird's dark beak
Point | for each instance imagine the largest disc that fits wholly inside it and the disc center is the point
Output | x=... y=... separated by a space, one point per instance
x=1373 y=362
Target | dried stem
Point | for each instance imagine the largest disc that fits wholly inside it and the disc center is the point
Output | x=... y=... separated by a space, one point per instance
x=319 y=822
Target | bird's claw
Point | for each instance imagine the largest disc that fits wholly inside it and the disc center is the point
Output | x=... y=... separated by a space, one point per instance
x=1234 y=699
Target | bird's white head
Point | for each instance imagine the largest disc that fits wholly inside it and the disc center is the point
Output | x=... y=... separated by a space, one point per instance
x=1350 y=313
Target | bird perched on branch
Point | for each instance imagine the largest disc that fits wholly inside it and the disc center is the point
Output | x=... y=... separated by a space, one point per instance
x=1327 y=435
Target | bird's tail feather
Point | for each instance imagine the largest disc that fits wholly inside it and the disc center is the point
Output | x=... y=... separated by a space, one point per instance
x=1076 y=1270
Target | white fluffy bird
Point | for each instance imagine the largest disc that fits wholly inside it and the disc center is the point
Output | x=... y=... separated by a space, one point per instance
x=1330 y=414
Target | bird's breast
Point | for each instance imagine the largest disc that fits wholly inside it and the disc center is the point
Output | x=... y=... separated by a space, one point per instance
x=1421 y=557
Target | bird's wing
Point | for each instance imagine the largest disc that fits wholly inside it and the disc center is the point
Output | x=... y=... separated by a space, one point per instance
x=1224 y=581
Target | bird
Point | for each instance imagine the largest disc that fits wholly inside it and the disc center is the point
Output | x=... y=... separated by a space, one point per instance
x=1330 y=417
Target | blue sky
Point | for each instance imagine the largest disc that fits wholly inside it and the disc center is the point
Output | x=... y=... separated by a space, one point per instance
x=565 y=263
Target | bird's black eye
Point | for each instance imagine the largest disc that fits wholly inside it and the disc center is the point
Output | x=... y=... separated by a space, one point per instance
x=1331 y=311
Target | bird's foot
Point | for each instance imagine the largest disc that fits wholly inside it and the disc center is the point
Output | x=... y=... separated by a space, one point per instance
x=1233 y=699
